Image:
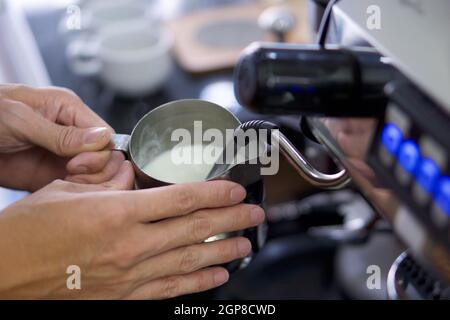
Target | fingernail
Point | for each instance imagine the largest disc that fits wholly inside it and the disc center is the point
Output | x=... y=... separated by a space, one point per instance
x=244 y=247
x=94 y=135
x=257 y=215
x=220 y=277
x=237 y=194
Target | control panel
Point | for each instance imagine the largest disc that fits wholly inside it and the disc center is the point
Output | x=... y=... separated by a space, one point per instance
x=411 y=152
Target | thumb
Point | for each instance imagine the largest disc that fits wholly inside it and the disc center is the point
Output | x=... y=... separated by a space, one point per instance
x=68 y=140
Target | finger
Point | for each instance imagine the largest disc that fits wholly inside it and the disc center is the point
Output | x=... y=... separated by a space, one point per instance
x=63 y=140
x=197 y=227
x=192 y=258
x=177 y=200
x=174 y=286
x=57 y=105
x=106 y=174
x=72 y=110
x=88 y=162
x=122 y=180
x=70 y=140
x=31 y=127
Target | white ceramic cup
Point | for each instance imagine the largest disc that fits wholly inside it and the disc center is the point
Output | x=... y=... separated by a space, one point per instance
x=90 y=16
x=133 y=58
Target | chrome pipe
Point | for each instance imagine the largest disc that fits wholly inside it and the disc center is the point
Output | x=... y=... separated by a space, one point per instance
x=305 y=169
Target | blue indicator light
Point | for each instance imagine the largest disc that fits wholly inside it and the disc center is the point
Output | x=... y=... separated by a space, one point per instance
x=428 y=174
x=391 y=138
x=409 y=156
x=442 y=196
x=296 y=89
x=311 y=89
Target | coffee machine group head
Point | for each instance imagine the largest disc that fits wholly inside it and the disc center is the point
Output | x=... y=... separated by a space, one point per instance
x=312 y=79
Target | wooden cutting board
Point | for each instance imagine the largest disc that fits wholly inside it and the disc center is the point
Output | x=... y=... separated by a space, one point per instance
x=212 y=40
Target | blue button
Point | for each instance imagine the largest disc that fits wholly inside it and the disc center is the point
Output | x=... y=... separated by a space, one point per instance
x=428 y=174
x=409 y=156
x=442 y=196
x=391 y=137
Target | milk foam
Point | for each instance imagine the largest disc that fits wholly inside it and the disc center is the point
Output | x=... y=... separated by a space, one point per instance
x=166 y=167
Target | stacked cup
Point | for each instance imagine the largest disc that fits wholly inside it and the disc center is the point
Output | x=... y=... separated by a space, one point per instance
x=121 y=42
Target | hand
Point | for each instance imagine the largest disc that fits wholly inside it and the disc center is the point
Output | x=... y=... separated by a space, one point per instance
x=144 y=244
x=40 y=129
x=353 y=137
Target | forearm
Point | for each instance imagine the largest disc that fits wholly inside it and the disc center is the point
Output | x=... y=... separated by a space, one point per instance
x=30 y=267
x=16 y=269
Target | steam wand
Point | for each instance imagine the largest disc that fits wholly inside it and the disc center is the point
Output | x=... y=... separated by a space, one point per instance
x=279 y=141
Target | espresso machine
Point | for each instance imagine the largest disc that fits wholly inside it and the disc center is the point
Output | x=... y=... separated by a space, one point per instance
x=373 y=89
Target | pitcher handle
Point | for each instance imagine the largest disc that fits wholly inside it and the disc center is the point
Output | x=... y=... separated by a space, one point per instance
x=120 y=142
